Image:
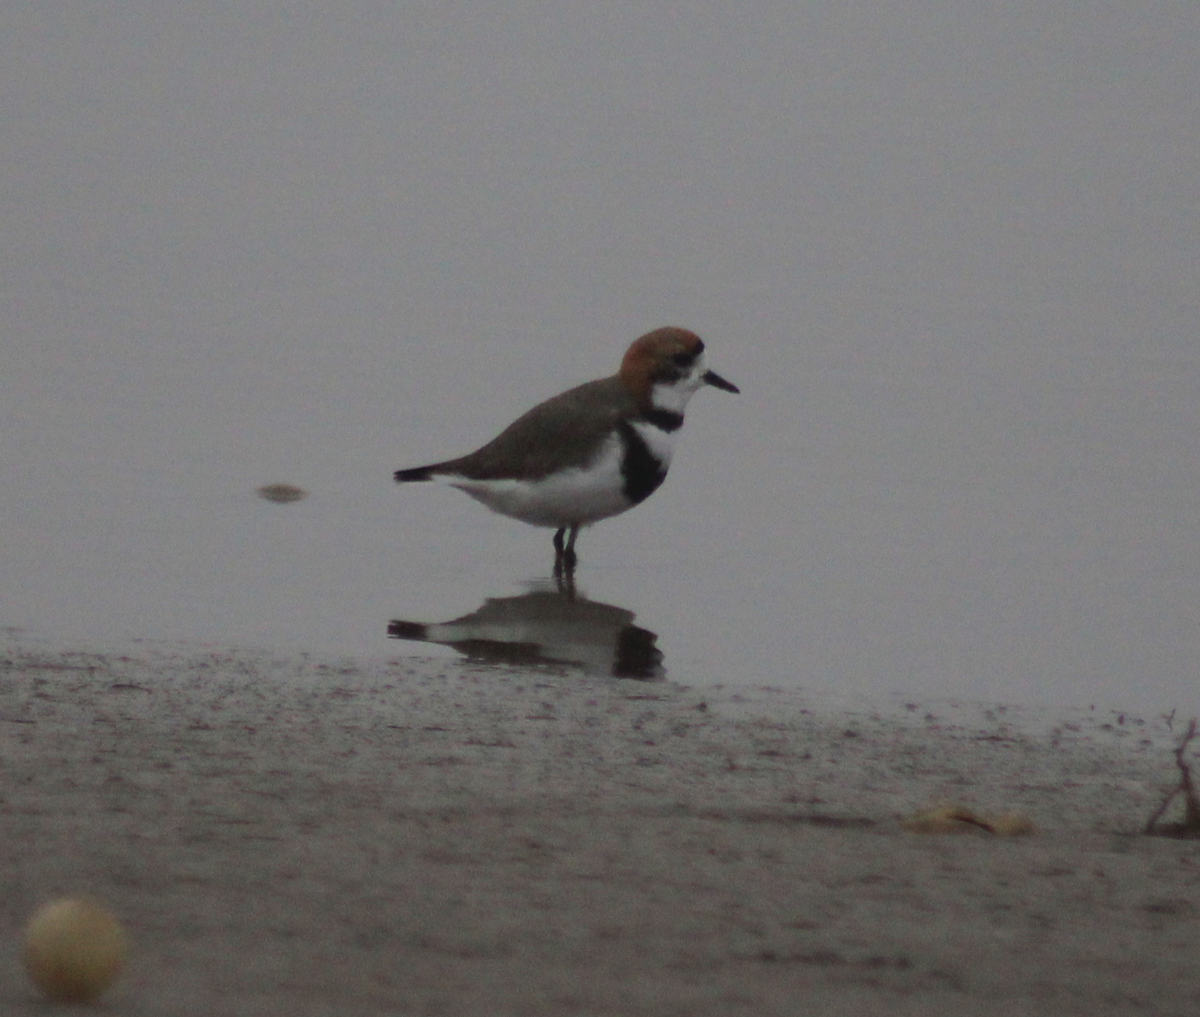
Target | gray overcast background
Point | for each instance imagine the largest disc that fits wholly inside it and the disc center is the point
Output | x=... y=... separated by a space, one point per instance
x=949 y=250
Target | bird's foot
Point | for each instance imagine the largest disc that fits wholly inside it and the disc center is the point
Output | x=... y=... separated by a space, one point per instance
x=565 y=558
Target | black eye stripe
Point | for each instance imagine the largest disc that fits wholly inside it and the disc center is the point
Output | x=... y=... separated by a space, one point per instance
x=688 y=357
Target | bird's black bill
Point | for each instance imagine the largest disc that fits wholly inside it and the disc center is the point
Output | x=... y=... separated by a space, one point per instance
x=716 y=381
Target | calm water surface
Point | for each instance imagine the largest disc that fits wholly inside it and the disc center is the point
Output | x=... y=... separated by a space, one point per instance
x=948 y=256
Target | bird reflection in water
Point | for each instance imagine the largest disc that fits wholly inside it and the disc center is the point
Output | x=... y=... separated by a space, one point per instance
x=547 y=625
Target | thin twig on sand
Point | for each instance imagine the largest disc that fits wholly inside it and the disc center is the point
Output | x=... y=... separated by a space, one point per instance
x=1190 y=827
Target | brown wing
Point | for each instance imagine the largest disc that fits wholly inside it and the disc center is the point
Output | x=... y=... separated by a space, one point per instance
x=558 y=433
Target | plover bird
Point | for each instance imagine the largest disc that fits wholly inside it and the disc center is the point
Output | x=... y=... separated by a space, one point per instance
x=592 y=452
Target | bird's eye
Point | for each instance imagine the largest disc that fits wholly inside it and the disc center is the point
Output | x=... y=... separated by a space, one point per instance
x=685 y=359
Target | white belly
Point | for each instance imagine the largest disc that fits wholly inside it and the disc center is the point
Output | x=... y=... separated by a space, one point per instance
x=566 y=498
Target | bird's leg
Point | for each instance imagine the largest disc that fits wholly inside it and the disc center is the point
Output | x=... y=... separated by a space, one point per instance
x=565 y=583
x=564 y=553
x=558 y=552
x=569 y=558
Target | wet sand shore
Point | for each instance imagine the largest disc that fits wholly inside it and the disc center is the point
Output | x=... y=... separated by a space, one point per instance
x=287 y=835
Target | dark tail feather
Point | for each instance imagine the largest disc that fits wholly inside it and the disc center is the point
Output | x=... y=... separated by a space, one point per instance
x=407 y=630
x=417 y=473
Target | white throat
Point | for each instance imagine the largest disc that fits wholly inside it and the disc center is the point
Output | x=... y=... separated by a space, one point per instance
x=674 y=395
